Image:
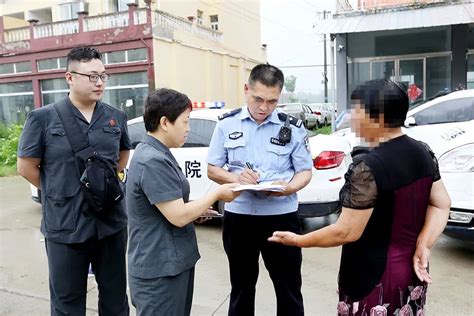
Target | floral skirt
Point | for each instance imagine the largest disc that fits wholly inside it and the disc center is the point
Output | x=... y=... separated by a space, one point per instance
x=410 y=302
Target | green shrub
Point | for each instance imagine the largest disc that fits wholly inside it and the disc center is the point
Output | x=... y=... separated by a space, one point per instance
x=3 y=131
x=9 y=145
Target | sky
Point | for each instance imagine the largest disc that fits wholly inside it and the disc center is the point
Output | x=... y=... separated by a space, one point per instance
x=287 y=29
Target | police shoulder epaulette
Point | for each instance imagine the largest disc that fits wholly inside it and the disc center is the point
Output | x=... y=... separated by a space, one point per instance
x=293 y=120
x=228 y=114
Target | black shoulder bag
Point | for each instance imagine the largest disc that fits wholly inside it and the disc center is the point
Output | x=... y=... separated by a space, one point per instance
x=99 y=181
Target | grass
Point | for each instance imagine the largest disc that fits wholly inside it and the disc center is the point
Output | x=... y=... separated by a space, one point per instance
x=323 y=130
x=6 y=171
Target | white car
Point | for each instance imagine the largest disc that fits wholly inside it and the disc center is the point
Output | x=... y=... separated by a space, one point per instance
x=320 y=197
x=446 y=124
x=302 y=112
x=323 y=111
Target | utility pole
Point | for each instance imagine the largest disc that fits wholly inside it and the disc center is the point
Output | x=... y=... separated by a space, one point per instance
x=325 y=65
x=323 y=16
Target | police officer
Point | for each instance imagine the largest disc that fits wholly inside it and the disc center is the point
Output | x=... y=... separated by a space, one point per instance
x=74 y=235
x=259 y=144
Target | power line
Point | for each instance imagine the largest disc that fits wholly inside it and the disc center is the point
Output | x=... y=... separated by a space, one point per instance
x=301 y=66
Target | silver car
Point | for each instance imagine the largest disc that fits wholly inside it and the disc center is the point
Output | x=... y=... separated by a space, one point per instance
x=302 y=112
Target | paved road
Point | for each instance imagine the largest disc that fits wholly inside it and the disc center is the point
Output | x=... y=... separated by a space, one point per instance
x=24 y=277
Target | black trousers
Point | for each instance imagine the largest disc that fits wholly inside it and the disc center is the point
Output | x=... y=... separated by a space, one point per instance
x=68 y=268
x=245 y=237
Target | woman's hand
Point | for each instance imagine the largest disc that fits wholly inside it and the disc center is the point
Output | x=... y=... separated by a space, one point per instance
x=225 y=193
x=420 y=263
x=285 y=238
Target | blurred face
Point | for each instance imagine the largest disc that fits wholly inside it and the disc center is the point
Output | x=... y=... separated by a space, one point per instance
x=179 y=130
x=83 y=88
x=369 y=129
x=261 y=100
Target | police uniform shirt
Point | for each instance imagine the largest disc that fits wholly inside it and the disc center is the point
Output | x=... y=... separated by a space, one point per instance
x=238 y=139
x=157 y=248
x=66 y=218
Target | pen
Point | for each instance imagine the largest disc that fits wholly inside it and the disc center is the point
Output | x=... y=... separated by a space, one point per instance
x=249 y=165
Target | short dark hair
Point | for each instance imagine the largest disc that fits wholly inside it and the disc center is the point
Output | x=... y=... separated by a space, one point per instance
x=164 y=102
x=82 y=54
x=382 y=96
x=267 y=75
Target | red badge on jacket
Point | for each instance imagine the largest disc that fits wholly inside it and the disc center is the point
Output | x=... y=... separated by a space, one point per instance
x=112 y=122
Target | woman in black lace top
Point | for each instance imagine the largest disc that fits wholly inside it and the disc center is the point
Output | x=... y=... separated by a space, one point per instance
x=394 y=207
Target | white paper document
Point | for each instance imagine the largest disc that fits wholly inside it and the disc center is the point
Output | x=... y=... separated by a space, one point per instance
x=262 y=186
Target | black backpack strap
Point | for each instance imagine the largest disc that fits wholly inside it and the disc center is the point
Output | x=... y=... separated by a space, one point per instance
x=74 y=134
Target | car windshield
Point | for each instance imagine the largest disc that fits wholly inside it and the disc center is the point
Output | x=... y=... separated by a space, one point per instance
x=450 y=111
x=200 y=132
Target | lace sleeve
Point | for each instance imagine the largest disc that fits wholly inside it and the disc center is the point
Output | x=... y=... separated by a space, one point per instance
x=360 y=189
x=436 y=175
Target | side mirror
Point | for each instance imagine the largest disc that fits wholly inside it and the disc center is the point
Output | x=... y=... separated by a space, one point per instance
x=410 y=121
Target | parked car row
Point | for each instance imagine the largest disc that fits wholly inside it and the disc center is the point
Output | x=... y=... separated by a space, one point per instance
x=323 y=111
x=302 y=112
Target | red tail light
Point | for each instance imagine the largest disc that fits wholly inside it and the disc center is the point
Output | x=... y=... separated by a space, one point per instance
x=317 y=113
x=328 y=160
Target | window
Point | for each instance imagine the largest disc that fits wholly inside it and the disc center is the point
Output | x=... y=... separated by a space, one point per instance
x=125 y=56
x=7 y=69
x=470 y=71
x=69 y=11
x=52 y=63
x=53 y=90
x=200 y=133
x=127 y=91
x=116 y=57
x=14 y=68
x=199 y=17
x=214 y=22
x=136 y=55
x=438 y=75
x=118 y=5
x=16 y=101
x=358 y=73
x=458 y=110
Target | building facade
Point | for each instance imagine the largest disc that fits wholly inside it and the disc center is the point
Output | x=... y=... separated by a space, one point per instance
x=427 y=45
x=191 y=46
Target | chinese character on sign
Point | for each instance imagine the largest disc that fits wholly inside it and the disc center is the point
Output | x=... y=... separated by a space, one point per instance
x=192 y=169
x=414 y=92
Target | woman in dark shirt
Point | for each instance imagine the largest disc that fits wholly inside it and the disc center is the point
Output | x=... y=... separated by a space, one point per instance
x=394 y=207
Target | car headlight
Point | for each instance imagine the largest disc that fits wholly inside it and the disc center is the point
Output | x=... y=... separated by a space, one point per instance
x=460 y=159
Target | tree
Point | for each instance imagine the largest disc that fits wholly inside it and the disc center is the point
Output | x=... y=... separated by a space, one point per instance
x=290 y=83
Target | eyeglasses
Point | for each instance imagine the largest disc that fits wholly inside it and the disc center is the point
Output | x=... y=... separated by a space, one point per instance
x=93 y=77
x=260 y=100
